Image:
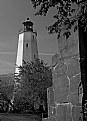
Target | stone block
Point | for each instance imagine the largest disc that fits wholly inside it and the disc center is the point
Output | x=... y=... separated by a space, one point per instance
x=61 y=89
x=61 y=83
x=52 y=119
x=74 y=83
x=76 y=113
x=54 y=74
x=64 y=112
x=52 y=111
x=46 y=119
x=73 y=67
x=72 y=45
x=74 y=90
x=61 y=97
x=69 y=112
x=74 y=99
x=71 y=42
x=71 y=52
x=61 y=69
x=61 y=113
x=50 y=96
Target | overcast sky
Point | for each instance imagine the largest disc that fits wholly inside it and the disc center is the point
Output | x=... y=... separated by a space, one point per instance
x=12 y=14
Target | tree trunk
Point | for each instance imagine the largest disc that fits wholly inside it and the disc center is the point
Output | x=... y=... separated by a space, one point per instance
x=83 y=62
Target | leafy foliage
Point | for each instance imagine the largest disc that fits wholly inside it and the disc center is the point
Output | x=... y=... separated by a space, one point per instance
x=7 y=85
x=34 y=79
x=69 y=13
x=6 y=91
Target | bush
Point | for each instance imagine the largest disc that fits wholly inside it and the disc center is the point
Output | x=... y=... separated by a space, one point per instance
x=32 y=83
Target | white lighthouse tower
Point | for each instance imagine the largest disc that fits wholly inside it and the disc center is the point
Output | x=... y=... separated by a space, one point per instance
x=27 y=45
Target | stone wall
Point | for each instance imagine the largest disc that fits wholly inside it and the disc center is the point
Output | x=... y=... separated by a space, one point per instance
x=65 y=105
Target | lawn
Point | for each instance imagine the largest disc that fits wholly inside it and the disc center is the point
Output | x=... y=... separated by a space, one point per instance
x=19 y=117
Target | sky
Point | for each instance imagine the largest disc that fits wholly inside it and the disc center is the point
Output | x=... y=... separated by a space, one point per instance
x=12 y=14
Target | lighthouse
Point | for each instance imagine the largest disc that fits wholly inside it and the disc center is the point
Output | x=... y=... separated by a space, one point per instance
x=27 y=44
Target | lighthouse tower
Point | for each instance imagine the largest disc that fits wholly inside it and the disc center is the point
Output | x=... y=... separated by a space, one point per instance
x=27 y=44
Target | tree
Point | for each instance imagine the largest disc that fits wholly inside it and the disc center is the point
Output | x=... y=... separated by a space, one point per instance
x=69 y=12
x=6 y=91
x=34 y=78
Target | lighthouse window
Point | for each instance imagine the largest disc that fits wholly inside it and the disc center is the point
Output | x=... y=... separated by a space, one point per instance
x=33 y=36
x=27 y=45
x=34 y=56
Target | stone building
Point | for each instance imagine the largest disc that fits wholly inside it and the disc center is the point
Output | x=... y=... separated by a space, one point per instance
x=65 y=96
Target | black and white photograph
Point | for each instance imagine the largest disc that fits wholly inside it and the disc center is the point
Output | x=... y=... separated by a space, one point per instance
x=43 y=60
